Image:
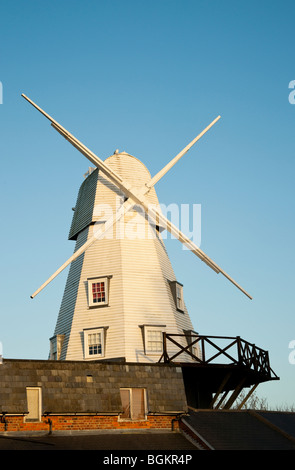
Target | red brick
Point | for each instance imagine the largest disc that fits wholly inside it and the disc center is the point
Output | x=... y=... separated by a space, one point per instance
x=84 y=422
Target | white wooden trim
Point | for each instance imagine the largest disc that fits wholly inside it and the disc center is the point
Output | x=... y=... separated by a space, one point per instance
x=95 y=280
x=39 y=404
x=91 y=331
x=130 y=389
x=147 y=329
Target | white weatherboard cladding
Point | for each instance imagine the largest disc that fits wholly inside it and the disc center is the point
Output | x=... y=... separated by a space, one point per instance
x=102 y=258
x=68 y=304
x=139 y=270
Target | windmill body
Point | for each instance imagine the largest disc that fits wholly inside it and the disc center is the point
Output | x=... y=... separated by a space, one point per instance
x=121 y=293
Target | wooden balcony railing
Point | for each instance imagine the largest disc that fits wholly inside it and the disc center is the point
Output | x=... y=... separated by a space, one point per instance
x=205 y=350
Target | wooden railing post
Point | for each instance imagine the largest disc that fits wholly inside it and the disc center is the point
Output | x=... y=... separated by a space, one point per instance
x=165 y=354
x=203 y=349
x=267 y=364
x=239 y=348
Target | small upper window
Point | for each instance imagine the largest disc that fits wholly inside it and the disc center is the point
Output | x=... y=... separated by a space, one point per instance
x=56 y=343
x=177 y=292
x=179 y=297
x=192 y=338
x=98 y=291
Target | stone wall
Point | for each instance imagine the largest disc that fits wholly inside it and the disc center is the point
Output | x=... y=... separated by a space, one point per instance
x=89 y=387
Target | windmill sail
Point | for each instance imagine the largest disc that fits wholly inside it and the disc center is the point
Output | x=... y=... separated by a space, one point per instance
x=135 y=197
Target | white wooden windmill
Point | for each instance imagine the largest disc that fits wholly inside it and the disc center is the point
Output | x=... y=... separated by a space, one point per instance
x=121 y=292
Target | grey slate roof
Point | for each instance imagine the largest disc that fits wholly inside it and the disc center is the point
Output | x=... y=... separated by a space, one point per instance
x=285 y=421
x=128 y=440
x=244 y=430
x=84 y=206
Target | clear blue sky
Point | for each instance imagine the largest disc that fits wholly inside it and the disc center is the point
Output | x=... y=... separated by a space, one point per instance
x=146 y=77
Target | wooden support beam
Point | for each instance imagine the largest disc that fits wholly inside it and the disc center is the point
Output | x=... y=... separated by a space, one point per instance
x=234 y=395
x=218 y=406
x=220 y=389
x=247 y=396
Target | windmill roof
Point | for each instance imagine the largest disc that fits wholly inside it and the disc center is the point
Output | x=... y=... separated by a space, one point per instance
x=84 y=205
x=130 y=168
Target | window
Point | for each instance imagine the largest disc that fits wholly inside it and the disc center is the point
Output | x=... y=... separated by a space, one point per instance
x=179 y=297
x=177 y=292
x=56 y=343
x=98 y=291
x=153 y=339
x=133 y=403
x=194 y=345
x=33 y=403
x=94 y=343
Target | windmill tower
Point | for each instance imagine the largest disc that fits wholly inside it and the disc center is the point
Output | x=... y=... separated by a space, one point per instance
x=121 y=293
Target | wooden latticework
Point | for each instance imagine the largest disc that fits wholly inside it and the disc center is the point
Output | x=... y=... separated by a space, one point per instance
x=236 y=351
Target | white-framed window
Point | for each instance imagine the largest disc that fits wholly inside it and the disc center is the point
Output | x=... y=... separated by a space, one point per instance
x=94 y=343
x=179 y=297
x=191 y=337
x=153 y=339
x=134 y=404
x=98 y=291
x=177 y=292
x=34 y=404
x=56 y=343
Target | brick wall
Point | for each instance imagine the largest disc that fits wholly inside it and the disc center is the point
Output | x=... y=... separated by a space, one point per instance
x=86 y=423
